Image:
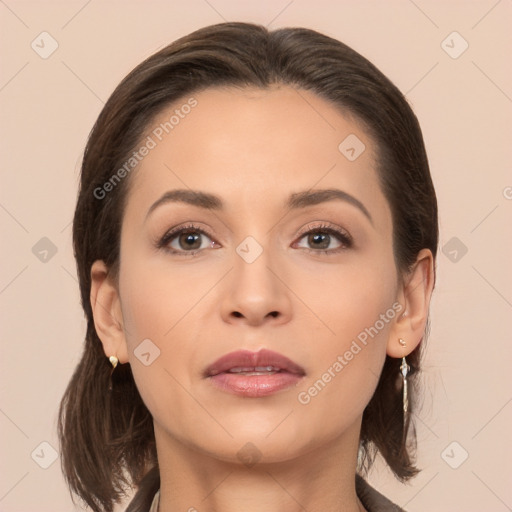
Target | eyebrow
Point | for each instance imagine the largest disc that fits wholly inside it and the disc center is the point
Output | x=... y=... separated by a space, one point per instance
x=192 y=197
x=314 y=197
x=295 y=201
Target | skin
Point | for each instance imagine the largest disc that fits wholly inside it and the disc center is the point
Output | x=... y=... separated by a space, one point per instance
x=254 y=148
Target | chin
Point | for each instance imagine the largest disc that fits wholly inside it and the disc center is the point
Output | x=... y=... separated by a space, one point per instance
x=251 y=445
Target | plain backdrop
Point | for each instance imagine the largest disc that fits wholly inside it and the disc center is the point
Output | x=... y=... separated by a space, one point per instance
x=450 y=58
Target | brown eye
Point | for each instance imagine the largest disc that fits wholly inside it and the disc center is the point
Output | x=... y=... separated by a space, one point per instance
x=191 y=240
x=186 y=240
x=319 y=240
x=324 y=239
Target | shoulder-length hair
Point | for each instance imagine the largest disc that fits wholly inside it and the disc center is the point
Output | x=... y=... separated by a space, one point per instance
x=107 y=438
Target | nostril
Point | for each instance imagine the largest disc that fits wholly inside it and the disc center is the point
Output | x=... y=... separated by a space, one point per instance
x=237 y=314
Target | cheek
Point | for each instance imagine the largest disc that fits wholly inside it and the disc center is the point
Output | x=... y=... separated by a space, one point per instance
x=357 y=308
x=163 y=312
x=146 y=309
x=156 y=296
x=346 y=300
x=345 y=374
x=148 y=314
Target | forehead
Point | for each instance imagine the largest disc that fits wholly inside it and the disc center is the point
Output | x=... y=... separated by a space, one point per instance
x=248 y=145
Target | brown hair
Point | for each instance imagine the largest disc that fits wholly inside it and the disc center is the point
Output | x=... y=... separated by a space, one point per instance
x=107 y=439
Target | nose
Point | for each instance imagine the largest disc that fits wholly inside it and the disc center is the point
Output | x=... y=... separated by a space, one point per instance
x=256 y=294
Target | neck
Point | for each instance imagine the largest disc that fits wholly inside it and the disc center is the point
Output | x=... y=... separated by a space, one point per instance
x=321 y=479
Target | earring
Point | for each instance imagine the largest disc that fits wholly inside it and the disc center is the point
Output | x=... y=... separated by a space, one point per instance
x=113 y=361
x=404 y=370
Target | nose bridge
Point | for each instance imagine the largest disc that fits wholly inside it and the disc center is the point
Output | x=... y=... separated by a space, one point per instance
x=255 y=292
x=251 y=268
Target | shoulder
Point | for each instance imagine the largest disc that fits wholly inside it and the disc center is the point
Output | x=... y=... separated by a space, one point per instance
x=373 y=500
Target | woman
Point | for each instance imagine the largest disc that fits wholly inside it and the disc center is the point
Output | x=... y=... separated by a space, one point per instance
x=255 y=236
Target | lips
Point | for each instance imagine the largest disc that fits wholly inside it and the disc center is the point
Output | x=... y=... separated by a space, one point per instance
x=244 y=361
x=254 y=374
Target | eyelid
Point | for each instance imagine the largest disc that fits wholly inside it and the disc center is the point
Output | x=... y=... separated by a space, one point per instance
x=342 y=234
x=169 y=235
x=325 y=226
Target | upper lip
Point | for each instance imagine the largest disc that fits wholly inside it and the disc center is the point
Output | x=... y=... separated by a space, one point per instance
x=250 y=360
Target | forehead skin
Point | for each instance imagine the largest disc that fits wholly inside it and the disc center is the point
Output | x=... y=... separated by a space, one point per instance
x=253 y=148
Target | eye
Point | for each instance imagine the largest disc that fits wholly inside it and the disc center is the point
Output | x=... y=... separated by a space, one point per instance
x=324 y=239
x=186 y=240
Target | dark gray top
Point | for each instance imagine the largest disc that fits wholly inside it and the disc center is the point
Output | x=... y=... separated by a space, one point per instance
x=372 y=500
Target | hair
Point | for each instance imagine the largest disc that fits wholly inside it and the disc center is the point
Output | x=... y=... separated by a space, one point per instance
x=107 y=438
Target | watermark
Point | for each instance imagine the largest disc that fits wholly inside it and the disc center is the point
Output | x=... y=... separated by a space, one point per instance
x=454 y=249
x=454 y=45
x=44 y=455
x=147 y=352
x=352 y=147
x=44 y=249
x=151 y=142
x=454 y=455
x=44 y=45
x=249 y=249
x=358 y=343
x=249 y=455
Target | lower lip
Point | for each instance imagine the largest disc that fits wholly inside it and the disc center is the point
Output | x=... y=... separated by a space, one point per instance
x=255 y=386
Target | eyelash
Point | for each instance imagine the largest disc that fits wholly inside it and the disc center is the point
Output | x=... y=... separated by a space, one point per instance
x=325 y=229
x=343 y=237
x=173 y=233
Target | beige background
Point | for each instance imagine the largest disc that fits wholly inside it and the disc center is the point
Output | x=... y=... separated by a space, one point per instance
x=464 y=105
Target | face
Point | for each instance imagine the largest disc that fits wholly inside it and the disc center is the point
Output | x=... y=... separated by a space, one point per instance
x=278 y=241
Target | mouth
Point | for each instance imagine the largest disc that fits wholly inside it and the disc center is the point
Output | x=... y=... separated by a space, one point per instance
x=254 y=374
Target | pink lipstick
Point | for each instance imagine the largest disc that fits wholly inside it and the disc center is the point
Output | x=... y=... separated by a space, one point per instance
x=254 y=374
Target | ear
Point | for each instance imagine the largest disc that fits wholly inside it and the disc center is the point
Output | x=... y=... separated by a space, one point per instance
x=106 y=309
x=414 y=295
